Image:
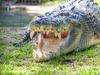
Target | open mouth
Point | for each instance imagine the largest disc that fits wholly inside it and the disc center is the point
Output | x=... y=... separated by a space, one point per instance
x=48 y=45
x=61 y=35
x=48 y=42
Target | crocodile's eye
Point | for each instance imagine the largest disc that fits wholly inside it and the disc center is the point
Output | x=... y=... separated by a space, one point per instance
x=62 y=14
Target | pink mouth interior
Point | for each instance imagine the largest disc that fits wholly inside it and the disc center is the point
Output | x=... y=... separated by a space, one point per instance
x=52 y=35
x=48 y=43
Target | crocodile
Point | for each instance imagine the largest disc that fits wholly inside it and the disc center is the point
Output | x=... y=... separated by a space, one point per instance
x=72 y=26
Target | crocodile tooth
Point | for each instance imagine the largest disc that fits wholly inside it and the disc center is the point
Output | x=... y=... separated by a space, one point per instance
x=33 y=29
x=56 y=33
x=41 y=28
x=32 y=34
x=59 y=36
x=38 y=28
x=47 y=32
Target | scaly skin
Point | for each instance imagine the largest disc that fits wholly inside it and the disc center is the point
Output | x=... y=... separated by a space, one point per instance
x=74 y=25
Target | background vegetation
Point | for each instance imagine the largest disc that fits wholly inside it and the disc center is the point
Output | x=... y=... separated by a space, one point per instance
x=52 y=2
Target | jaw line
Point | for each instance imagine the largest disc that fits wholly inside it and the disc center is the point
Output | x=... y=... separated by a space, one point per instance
x=47 y=30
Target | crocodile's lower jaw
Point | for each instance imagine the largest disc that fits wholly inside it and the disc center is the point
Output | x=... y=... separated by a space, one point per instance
x=48 y=46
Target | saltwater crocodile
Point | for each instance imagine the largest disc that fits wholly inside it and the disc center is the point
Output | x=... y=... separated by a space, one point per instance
x=74 y=25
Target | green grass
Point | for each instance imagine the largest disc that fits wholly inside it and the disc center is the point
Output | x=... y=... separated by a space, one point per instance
x=98 y=2
x=19 y=61
x=55 y=2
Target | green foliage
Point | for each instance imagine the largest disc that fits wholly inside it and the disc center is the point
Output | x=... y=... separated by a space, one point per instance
x=44 y=1
x=89 y=71
x=52 y=2
x=98 y=2
x=55 y=2
x=19 y=61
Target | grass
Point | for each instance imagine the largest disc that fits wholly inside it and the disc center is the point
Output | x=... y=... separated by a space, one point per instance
x=98 y=2
x=55 y=2
x=19 y=61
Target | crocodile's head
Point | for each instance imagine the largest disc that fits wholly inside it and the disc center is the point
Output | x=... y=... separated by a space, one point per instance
x=56 y=35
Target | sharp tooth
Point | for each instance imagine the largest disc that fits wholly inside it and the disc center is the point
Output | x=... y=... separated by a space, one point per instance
x=32 y=34
x=34 y=28
x=47 y=33
x=56 y=33
x=59 y=36
x=49 y=30
x=38 y=29
x=41 y=28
